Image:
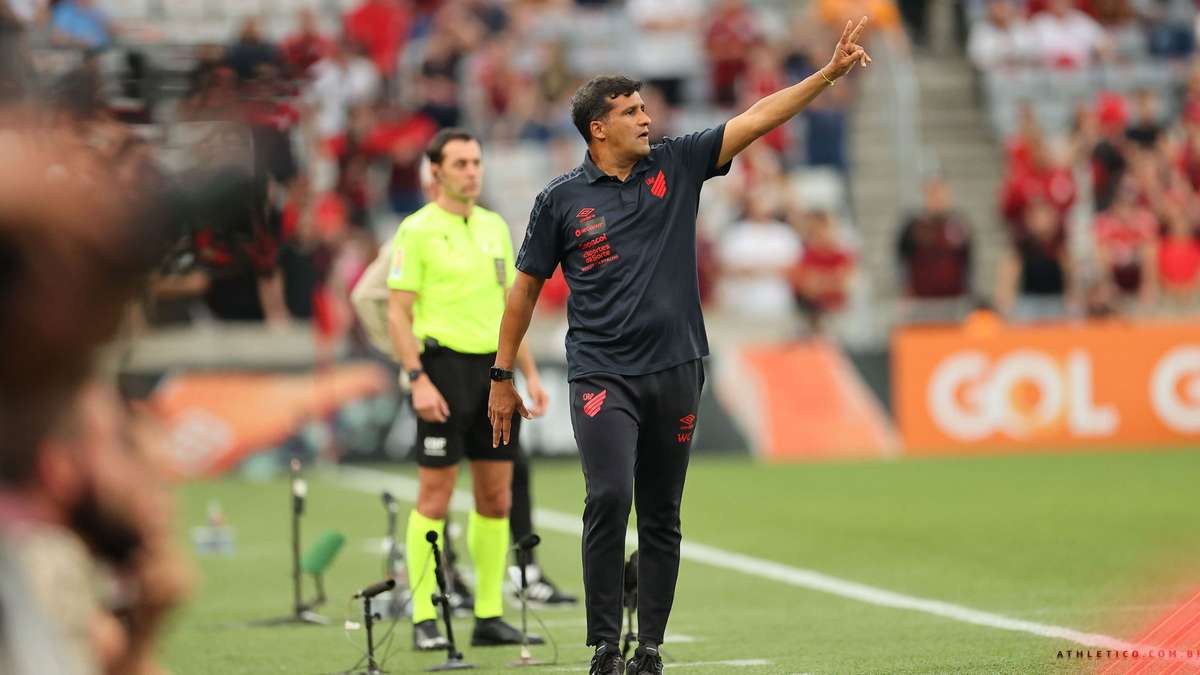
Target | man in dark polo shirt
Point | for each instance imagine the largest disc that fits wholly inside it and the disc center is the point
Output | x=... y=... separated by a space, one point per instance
x=623 y=227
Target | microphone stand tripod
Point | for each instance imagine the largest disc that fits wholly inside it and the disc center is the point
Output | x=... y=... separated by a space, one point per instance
x=369 y=619
x=301 y=611
x=395 y=562
x=523 y=555
x=454 y=658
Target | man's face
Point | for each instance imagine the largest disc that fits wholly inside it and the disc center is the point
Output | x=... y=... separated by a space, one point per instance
x=460 y=175
x=626 y=127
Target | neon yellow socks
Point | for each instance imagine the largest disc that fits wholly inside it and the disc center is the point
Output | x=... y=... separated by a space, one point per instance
x=487 y=541
x=418 y=555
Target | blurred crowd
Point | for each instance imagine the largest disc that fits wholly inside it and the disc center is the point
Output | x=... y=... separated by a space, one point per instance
x=1099 y=201
x=338 y=108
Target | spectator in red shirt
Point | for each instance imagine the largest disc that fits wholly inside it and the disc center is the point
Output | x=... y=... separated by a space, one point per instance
x=731 y=31
x=382 y=26
x=1126 y=237
x=308 y=46
x=821 y=278
x=1179 y=255
x=1021 y=145
x=935 y=247
x=1041 y=178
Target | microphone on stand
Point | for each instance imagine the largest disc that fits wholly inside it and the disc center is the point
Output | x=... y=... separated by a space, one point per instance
x=299 y=489
x=523 y=548
x=375 y=589
x=369 y=619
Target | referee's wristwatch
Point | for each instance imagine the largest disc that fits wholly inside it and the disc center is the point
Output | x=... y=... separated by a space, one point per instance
x=501 y=375
x=415 y=374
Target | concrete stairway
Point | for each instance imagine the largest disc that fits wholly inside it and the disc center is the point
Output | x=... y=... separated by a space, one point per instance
x=954 y=140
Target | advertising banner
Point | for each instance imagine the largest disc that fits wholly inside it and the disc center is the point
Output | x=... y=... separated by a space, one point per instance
x=986 y=386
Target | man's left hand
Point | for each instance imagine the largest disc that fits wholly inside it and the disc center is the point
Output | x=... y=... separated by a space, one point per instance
x=502 y=402
x=848 y=52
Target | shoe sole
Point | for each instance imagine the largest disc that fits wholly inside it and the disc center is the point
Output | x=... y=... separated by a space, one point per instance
x=488 y=642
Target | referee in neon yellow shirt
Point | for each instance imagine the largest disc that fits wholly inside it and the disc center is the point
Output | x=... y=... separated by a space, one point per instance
x=452 y=265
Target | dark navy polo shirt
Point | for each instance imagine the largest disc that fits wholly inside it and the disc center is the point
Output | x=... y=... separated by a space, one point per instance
x=628 y=252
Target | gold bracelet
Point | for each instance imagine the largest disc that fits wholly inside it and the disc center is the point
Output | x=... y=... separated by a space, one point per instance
x=825 y=77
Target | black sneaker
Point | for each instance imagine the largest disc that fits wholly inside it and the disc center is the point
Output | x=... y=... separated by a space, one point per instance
x=542 y=591
x=427 y=637
x=607 y=661
x=494 y=633
x=646 y=661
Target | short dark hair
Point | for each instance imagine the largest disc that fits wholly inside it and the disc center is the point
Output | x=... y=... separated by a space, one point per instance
x=436 y=147
x=593 y=100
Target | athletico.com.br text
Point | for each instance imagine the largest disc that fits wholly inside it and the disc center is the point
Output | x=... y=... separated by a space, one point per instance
x=1093 y=654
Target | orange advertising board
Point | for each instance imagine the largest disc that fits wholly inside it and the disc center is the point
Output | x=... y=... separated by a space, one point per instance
x=986 y=386
x=217 y=419
x=814 y=406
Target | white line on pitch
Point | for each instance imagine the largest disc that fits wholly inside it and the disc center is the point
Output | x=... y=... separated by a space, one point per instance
x=733 y=663
x=374 y=481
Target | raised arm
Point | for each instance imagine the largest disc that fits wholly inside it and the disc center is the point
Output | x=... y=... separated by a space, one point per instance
x=504 y=399
x=775 y=109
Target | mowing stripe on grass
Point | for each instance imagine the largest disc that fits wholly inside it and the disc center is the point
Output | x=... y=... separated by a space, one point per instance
x=403 y=487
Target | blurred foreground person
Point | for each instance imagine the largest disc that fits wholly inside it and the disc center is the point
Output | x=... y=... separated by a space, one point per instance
x=85 y=527
x=75 y=496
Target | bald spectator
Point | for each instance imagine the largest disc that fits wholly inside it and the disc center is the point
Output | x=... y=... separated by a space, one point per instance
x=935 y=247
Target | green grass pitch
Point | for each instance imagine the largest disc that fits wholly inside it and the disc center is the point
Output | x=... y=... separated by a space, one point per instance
x=1093 y=542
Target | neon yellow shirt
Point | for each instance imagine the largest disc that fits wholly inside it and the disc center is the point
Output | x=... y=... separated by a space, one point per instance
x=460 y=270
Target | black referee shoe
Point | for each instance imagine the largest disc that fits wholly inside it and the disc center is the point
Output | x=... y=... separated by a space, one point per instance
x=646 y=661
x=495 y=633
x=607 y=661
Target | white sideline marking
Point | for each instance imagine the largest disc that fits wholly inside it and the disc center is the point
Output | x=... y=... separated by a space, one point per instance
x=370 y=480
x=732 y=663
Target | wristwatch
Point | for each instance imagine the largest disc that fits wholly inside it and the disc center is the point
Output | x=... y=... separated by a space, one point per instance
x=500 y=375
x=415 y=373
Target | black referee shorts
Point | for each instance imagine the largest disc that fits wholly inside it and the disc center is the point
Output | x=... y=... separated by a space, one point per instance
x=465 y=383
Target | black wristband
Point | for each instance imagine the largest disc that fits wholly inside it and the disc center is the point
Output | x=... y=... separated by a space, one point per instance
x=500 y=374
x=415 y=374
